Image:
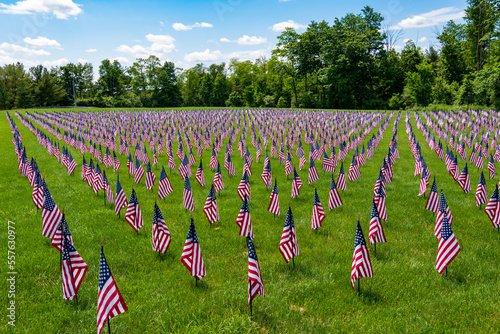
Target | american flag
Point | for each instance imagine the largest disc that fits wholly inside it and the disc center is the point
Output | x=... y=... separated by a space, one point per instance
x=110 y=302
x=313 y=173
x=184 y=168
x=327 y=163
x=211 y=208
x=448 y=247
x=289 y=247
x=266 y=175
x=479 y=161
x=433 y=199
x=71 y=164
x=481 y=191
x=130 y=165
x=318 y=214
x=464 y=179
x=424 y=182
x=116 y=162
x=380 y=201
x=218 y=183
x=444 y=210
x=191 y=254
x=376 y=233
x=213 y=159
x=164 y=185
x=38 y=189
x=246 y=166
x=491 y=167
x=73 y=270
x=150 y=177
x=493 y=208
x=51 y=216
x=255 y=284
x=361 y=264
x=107 y=159
x=302 y=160
x=288 y=165
x=160 y=233
x=334 y=199
x=341 y=178
x=228 y=165
x=244 y=187
x=244 y=221
x=274 y=204
x=187 y=195
x=120 y=199
x=107 y=188
x=138 y=171
x=200 y=176
x=133 y=215
x=58 y=238
x=90 y=173
x=98 y=183
x=155 y=157
x=171 y=161
x=362 y=158
x=296 y=184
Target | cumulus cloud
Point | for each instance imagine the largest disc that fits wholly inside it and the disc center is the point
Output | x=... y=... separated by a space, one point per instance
x=181 y=26
x=246 y=40
x=121 y=60
x=5 y=59
x=279 y=27
x=91 y=50
x=206 y=55
x=8 y=49
x=61 y=9
x=423 y=39
x=225 y=40
x=41 y=42
x=430 y=19
x=161 y=45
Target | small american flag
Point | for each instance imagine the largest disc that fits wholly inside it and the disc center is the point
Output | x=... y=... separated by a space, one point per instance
x=313 y=173
x=187 y=195
x=184 y=168
x=160 y=233
x=211 y=208
x=334 y=199
x=244 y=187
x=73 y=270
x=133 y=215
x=341 y=178
x=228 y=165
x=51 y=216
x=164 y=186
x=150 y=177
x=255 y=284
x=361 y=264
x=464 y=179
x=191 y=254
x=58 y=238
x=491 y=167
x=200 y=176
x=318 y=214
x=433 y=199
x=481 y=191
x=296 y=184
x=266 y=175
x=443 y=210
x=97 y=183
x=120 y=199
x=244 y=221
x=493 y=208
x=289 y=247
x=138 y=171
x=218 y=183
x=274 y=204
x=448 y=247
x=376 y=233
x=327 y=163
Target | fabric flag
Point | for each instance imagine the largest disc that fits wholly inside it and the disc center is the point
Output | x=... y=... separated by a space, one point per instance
x=376 y=233
x=84 y=169
x=318 y=214
x=187 y=195
x=424 y=182
x=244 y=187
x=58 y=238
x=116 y=163
x=51 y=215
x=341 y=178
x=354 y=172
x=160 y=233
x=334 y=199
x=255 y=284
x=184 y=168
x=313 y=173
x=491 y=167
x=246 y=166
x=296 y=184
x=130 y=164
x=218 y=183
x=120 y=199
x=448 y=247
x=289 y=247
x=481 y=191
x=464 y=179
x=274 y=204
x=191 y=254
x=165 y=187
x=211 y=209
x=327 y=163
x=266 y=175
x=73 y=270
x=38 y=191
x=110 y=302
x=133 y=215
x=213 y=159
x=107 y=187
x=71 y=164
x=97 y=183
x=361 y=264
x=288 y=166
x=138 y=171
x=244 y=221
x=171 y=161
x=493 y=208
x=444 y=210
x=433 y=199
x=228 y=165
x=380 y=201
x=150 y=177
x=200 y=176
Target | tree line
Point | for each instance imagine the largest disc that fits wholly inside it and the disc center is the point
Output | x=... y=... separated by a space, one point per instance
x=352 y=63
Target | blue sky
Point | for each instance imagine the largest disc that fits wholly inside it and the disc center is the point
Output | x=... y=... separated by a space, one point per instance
x=55 y=32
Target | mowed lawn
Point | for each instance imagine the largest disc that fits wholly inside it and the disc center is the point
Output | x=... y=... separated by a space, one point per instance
x=406 y=293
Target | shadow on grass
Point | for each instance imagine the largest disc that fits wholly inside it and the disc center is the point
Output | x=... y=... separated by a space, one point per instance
x=369 y=297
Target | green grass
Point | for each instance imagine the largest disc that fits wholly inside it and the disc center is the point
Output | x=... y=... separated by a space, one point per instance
x=405 y=295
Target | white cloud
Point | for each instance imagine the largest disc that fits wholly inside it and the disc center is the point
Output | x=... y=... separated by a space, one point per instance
x=30 y=63
x=251 y=40
x=279 y=27
x=430 y=19
x=161 y=45
x=225 y=40
x=82 y=61
x=423 y=39
x=41 y=42
x=61 y=9
x=91 y=50
x=121 y=60
x=248 y=55
x=181 y=26
x=206 y=55
x=8 y=49
x=406 y=40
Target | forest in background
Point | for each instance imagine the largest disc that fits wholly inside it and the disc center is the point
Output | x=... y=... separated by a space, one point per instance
x=349 y=64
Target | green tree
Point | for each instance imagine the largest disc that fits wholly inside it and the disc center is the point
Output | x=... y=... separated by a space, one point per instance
x=452 y=41
x=420 y=83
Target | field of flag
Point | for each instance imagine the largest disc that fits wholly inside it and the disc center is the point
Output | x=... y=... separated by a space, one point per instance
x=202 y=213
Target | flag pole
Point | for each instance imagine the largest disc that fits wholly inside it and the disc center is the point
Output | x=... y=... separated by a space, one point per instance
x=251 y=313
x=62 y=238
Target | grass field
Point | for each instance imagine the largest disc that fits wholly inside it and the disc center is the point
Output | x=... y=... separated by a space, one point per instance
x=406 y=293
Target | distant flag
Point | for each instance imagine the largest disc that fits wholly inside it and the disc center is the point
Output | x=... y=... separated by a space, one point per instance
x=493 y=208
x=302 y=160
x=376 y=233
x=443 y=210
x=187 y=195
x=213 y=159
x=171 y=160
x=138 y=171
x=448 y=247
x=90 y=173
x=107 y=187
x=110 y=302
x=244 y=187
x=116 y=162
x=98 y=183
x=150 y=177
x=361 y=264
x=380 y=202
x=334 y=199
x=164 y=185
x=130 y=164
x=266 y=175
x=200 y=176
x=354 y=172
x=218 y=182
x=318 y=214
x=120 y=199
x=491 y=167
x=288 y=165
x=228 y=165
x=296 y=184
x=289 y=247
x=481 y=191
x=433 y=199
x=244 y=221
x=274 y=204
x=58 y=238
x=424 y=182
x=313 y=173
x=255 y=284
x=246 y=165
x=191 y=254
x=71 y=164
x=73 y=270
x=38 y=191
x=211 y=208
x=479 y=160
x=84 y=169
x=160 y=233
x=464 y=179
x=133 y=215
x=341 y=178
x=51 y=216
x=184 y=168
x=328 y=165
